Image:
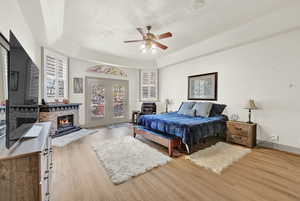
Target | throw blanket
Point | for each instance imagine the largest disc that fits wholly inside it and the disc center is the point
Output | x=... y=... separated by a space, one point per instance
x=189 y=129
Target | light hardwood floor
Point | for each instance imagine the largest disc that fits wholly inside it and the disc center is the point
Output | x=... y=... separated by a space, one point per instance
x=264 y=174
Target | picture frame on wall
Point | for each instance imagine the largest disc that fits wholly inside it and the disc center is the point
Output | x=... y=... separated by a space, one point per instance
x=203 y=87
x=77 y=85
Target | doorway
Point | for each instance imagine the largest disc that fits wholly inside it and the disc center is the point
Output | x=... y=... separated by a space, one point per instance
x=106 y=101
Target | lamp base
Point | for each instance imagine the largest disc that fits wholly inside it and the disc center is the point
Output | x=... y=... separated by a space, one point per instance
x=249 y=122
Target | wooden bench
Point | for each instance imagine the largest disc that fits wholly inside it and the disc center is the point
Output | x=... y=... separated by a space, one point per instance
x=168 y=141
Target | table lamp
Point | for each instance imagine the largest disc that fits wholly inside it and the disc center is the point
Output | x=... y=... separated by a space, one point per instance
x=168 y=102
x=250 y=105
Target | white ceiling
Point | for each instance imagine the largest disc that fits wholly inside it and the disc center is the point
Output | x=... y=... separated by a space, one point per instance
x=96 y=29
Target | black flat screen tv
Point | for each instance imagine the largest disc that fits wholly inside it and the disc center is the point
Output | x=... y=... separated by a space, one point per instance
x=23 y=91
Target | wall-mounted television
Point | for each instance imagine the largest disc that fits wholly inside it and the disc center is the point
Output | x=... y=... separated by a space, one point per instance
x=23 y=90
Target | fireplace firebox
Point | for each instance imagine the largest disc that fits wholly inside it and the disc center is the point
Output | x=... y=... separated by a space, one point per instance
x=65 y=125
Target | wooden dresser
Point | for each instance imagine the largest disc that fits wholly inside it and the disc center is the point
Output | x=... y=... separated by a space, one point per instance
x=241 y=133
x=25 y=169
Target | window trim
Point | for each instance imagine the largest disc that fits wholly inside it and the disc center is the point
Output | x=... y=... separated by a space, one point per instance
x=156 y=99
x=44 y=49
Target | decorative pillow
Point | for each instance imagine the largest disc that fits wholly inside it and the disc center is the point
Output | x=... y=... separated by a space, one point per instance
x=203 y=109
x=190 y=113
x=217 y=109
x=185 y=107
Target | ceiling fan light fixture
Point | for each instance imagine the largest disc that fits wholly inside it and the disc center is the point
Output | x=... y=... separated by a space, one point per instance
x=150 y=41
x=143 y=46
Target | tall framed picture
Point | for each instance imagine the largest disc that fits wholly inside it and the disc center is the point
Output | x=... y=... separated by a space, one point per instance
x=203 y=87
x=77 y=85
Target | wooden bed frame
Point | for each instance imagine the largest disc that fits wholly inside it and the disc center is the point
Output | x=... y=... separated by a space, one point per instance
x=170 y=143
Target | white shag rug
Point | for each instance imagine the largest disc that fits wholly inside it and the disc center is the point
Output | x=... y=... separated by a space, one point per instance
x=126 y=157
x=69 y=138
x=219 y=156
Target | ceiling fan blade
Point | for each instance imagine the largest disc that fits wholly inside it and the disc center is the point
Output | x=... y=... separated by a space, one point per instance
x=140 y=30
x=159 y=45
x=165 y=35
x=132 y=41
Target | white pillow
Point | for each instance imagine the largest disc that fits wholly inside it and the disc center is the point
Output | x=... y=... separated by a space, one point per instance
x=202 y=109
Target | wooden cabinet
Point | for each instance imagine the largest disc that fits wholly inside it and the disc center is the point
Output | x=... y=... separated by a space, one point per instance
x=26 y=169
x=241 y=133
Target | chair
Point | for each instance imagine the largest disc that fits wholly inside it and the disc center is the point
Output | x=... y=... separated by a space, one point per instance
x=147 y=108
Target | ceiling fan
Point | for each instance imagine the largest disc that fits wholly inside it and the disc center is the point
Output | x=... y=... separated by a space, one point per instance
x=150 y=39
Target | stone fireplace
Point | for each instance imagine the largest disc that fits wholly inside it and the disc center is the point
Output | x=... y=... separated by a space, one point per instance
x=64 y=118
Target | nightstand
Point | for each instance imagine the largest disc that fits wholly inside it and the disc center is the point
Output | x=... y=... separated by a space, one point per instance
x=135 y=114
x=241 y=133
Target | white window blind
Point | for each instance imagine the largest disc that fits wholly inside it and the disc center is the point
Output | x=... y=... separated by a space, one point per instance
x=149 y=85
x=55 y=76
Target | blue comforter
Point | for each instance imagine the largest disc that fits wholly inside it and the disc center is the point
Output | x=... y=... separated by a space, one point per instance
x=189 y=129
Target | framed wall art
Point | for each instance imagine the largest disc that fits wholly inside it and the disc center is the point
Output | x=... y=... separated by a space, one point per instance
x=203 y=87
x=77 y=85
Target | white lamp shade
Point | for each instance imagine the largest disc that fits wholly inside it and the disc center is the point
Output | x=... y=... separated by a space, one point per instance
x=250 y=105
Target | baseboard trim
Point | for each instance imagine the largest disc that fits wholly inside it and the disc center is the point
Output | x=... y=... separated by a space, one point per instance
x=280 y=147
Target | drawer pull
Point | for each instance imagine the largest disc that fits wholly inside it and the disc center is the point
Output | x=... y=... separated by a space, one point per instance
x=237 y=128
x=45 y=152
x=47 y=177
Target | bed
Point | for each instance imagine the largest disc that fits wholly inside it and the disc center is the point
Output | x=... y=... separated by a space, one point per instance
x=190 y=130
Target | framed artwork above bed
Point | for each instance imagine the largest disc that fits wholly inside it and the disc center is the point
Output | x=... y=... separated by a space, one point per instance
x=203 y=87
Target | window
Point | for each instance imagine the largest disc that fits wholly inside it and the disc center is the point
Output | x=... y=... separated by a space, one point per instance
x=149 y=85
x=55 y=76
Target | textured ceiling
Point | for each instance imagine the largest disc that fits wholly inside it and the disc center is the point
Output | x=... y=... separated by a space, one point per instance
x=96 y=29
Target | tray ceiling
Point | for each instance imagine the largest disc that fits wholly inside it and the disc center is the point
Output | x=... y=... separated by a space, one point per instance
x=96 y=29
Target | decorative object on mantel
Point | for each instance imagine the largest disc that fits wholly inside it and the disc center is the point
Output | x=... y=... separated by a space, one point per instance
x=44 y=102
x=250 y=105
x=107 y=69
x=203 y=87
x=66 y=101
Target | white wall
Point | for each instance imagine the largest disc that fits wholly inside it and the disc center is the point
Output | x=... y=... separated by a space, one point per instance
x=11 y=18
x=78 y=68
x=265 y=69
